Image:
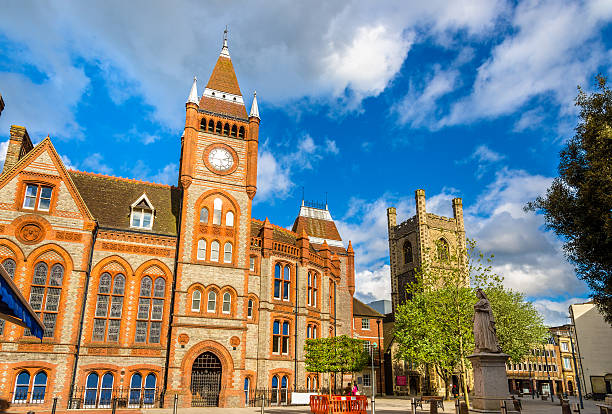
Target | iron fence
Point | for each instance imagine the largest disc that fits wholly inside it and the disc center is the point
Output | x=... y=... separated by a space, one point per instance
x=272 y=396
x=119 y=397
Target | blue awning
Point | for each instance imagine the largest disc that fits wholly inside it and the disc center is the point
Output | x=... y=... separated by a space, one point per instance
x=15 y=309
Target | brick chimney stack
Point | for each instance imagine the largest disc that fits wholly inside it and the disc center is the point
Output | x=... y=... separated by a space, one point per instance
x=19 y=145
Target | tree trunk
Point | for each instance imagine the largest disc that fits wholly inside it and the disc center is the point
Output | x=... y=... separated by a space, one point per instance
x=463 y=378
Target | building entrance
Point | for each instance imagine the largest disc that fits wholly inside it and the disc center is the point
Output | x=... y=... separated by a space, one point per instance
x=206 y=380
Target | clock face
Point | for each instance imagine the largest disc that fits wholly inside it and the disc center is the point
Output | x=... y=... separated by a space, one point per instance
x=220 y=159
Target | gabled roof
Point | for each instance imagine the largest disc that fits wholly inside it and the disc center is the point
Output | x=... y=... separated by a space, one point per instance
x=361 y=309
x=110 y=200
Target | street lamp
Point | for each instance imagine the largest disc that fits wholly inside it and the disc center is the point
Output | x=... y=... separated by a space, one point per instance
x=550 y=384
x=372 y=348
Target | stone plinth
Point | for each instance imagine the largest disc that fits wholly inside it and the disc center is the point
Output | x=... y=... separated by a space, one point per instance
x=490 y=382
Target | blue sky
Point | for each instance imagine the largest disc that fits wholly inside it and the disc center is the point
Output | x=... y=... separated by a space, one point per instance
x=366 y=101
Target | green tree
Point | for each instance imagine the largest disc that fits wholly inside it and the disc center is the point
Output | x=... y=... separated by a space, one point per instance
x=434 y=327
x=578 y=204
x=338 y=354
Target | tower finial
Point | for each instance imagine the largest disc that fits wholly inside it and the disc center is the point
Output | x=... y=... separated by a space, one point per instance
x=193 y=94
x=224 y=49
x=254 y=107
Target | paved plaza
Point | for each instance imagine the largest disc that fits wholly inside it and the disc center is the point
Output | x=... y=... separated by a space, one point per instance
x=388 y=406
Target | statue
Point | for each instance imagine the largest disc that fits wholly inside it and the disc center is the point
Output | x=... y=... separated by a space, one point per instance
x=485 y=335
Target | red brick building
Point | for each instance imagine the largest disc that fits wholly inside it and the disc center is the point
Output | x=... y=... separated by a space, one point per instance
x=148 y=291
x=368 y=325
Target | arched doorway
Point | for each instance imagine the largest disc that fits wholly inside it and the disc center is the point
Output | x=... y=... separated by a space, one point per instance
x=206 y=380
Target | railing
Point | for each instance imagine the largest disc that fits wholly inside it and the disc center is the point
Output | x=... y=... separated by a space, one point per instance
x=286 y=249
x=324 y=404
x=316 y=259
x=271 y=396
x=121 y=397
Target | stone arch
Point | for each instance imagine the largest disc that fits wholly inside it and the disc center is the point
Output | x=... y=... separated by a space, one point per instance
x=227 y=364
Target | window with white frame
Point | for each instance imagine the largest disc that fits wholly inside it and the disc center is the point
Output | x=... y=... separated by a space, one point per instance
x=37 y=197
x=367 y=380
x=227 y=252
x=212 y=301
x=227 y=303
x=567 y=363
x=229 y=219
x=365 y=323
x=196 y=298
x=565 y=346
x=217 y=205
x=252 y=263
x=202 y=249
x=142 y=213
x=214 y=251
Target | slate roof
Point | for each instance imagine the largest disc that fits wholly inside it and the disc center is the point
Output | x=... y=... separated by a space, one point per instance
x=361 y=309
x=314 y=227
x=223 y=77
x=110 y=198
x=219 y=106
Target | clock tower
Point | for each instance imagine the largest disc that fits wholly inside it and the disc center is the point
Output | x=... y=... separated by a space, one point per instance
x=218 y=173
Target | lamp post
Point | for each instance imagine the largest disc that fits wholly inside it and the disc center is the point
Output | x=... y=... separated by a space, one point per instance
x=372 y=348
x=576 y=372
x=552 y=398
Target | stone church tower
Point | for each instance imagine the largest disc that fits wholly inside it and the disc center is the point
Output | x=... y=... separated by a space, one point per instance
x=419 y=240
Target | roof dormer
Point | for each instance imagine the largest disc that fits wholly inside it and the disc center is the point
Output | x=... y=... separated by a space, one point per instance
x=142 y=213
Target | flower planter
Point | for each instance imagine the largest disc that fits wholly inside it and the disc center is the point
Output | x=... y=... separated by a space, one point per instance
x=325 y=404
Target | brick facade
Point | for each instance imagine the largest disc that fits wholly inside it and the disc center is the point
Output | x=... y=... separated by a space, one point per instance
x=142 y=305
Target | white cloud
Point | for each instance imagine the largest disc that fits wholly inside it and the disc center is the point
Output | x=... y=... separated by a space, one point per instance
x=556 y=313
x=167 y=175
x=95 y=163
x=555 y=45
x=335 y=52
x=373 y=284
x=67 y=163
x=274 y=167
x=3 y=149
x=531 y=119
x=484 y=157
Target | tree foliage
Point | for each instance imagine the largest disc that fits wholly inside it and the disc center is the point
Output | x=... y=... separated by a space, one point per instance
x=336 y=354
x=578 y=204
x=435 y=325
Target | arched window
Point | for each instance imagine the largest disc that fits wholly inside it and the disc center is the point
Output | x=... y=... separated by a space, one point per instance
x=202 y=249
x=196 y=298
x=150 y=310
x=47 y=289
x=217 y=205
x=247 y=387
x=226 y=129
x=283 y=393
x=211 y=125
x=150 y=389
x=274 y=396
x=250 y=309
x=234 y=130
x=227 y=252
x=39 y=388
x=286 y=282
x=9 y=266
x=204 y=215
x=214 y=251
x=109 y=306
x=241 y=132
x=135 y=387
x=227 y=303
x=443 y=250
x=278 y=281
x=219 y=128
x=22 y=386
x=407 y=252
x=203 y=124
x=229 y=219
x=106 y=391
x=91 y=390
x=212 y=302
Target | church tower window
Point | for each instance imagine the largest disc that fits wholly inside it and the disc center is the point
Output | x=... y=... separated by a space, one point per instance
x=407 y=252
x=204 y=215
x=443 y=250
x=227 y=252
x=234 y=130
x=226 y=129
x=219 y=127
x=214 y=251
x=217 y=205
x=229 y=219
x=202 y=249
x=211 y=126
x=241 y=132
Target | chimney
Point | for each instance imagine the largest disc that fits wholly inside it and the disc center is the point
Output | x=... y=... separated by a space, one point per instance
x=19 y=145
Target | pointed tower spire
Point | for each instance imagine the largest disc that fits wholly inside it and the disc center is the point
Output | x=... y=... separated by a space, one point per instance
x=254 y=107
x=193 y=94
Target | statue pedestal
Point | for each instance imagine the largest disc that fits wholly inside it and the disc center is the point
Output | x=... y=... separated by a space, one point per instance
x=490 y=382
